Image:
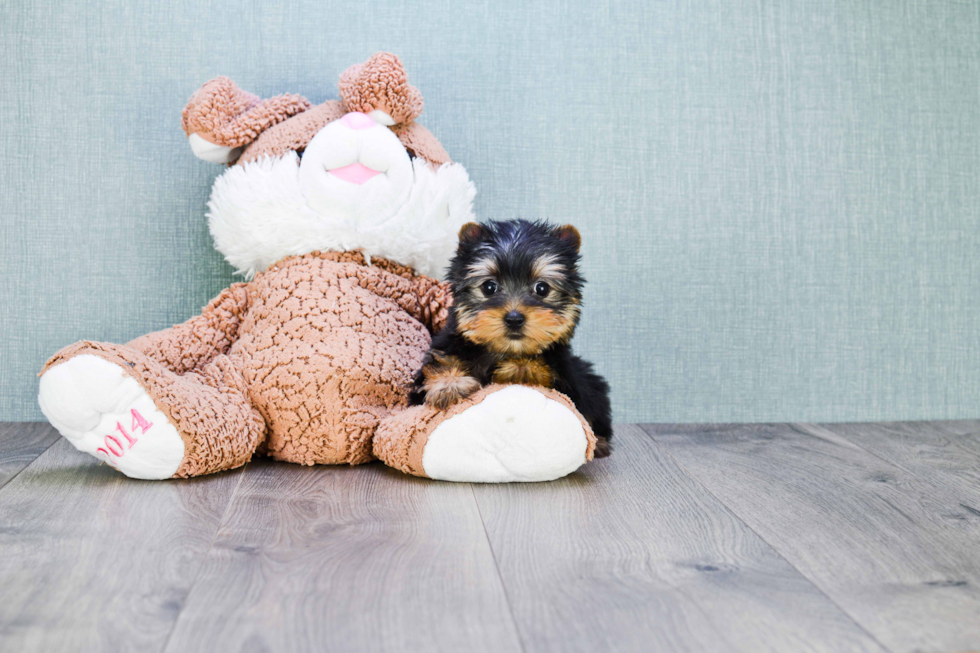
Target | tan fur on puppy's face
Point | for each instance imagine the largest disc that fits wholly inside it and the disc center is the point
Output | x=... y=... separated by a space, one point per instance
x=543 y=327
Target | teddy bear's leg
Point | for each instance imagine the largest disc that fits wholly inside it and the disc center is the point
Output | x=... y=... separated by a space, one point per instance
x=500 y=434
x=190 y=346
x=126 y=409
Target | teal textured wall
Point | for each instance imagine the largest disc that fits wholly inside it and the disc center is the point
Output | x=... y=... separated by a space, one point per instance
x=779 y=200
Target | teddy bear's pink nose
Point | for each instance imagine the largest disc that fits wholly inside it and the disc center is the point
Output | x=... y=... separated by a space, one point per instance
x=358 y=120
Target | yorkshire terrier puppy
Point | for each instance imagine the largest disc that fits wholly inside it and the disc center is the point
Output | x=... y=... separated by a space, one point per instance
x=517 y=294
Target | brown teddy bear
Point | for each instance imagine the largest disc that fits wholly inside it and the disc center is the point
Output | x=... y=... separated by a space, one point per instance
x=341 y=217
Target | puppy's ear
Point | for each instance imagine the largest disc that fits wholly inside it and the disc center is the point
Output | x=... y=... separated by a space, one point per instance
x=471 y=232
x=570 y=235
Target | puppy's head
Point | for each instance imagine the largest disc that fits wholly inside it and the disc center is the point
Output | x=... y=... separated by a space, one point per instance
x=516 y=285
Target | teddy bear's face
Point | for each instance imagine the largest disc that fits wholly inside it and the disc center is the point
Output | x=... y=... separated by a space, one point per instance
x=356 y=171
x=355 y=187
x=354 y=174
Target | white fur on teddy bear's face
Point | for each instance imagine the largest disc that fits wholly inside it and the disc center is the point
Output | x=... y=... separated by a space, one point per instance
x=375 y=150
x=265 y=210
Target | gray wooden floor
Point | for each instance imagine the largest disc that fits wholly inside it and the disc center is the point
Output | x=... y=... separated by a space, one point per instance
x=775 y=537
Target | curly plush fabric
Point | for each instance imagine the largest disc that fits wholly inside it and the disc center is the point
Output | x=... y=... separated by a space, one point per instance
x=226 y=115
x=209 y=408
x=302 y=363
x=420 y=142
x=294 y=134
x=401 y=439
x=381 y=83
x=223 y=114
x=195 y=343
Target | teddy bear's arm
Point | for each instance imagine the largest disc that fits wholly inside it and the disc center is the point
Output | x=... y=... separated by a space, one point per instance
x=433 y=301
x=197 y=341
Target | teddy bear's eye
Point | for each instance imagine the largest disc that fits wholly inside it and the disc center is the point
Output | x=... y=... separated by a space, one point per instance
x=489 y=287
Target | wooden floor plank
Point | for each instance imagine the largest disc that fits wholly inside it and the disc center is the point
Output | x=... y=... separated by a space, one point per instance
x=631 y=554
x=347 y=559
x=892 y=549
x=20 y=444
x=938 y=452
x=91 y=560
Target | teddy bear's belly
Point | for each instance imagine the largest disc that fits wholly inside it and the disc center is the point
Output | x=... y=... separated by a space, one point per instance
x=325 y=372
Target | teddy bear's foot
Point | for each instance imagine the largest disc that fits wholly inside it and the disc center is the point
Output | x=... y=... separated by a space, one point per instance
x=514 y=434
x=106 y=413
x=501 y=434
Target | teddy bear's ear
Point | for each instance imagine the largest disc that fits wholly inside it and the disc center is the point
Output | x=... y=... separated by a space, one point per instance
x=379 y=87
x=220 y=118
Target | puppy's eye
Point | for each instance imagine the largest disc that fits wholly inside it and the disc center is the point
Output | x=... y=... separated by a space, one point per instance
x=541 y=289
x=488 y=287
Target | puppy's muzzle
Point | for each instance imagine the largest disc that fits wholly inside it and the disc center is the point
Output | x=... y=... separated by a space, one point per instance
x=514 y=320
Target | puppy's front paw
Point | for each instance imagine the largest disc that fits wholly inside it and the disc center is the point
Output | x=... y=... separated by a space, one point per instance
x=444 y=390
x=446 y=380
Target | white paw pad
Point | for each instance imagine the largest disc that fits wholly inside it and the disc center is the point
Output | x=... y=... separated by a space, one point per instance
x=514 y=434
x=106 y=413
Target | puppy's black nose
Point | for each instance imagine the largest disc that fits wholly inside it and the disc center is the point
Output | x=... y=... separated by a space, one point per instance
x=514 y=320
